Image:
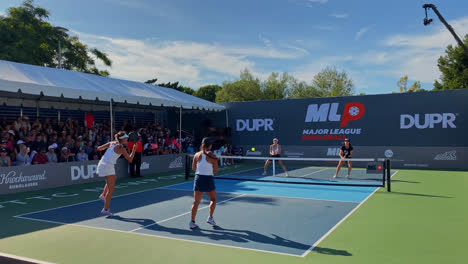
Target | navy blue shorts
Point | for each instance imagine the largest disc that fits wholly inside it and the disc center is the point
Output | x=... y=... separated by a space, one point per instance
x=203 y=183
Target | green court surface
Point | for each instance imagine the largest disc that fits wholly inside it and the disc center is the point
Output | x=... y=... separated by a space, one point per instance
x=423 y=220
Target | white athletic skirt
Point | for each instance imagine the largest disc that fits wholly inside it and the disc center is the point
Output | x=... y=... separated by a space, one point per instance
x=104 y=170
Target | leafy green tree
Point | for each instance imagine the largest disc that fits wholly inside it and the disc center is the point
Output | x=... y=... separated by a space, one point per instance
x=454 y=68
x=208 y=92
x=277 y=86
x=403 y=82
x=248 y=88
x=300 y=89
x=26 y=37
x=329 y=82
x=172 y=85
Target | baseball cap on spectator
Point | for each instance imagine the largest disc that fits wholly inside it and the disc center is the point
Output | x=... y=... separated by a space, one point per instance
x=53 y=146
x=3 y=150
x=64 y=148
x=11 y=132
x=20 y=142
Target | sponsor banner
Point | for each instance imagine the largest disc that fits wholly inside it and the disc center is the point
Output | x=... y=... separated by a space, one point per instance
x=424 y=119
x=36 y=177
x=401 y=157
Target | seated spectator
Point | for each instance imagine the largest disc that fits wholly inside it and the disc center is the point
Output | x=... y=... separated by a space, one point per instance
x=82 y=156
x=66 y=156
x=22 y=158
x=5 y=160
x=190 y=149
x=51 y=155
x=41 y=157
x=148 y=150
x=89 y=148
x=39 y=143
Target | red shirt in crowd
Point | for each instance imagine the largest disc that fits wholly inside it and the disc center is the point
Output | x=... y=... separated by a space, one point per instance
x=89 y=120
x=40 y=158
x=139 y=146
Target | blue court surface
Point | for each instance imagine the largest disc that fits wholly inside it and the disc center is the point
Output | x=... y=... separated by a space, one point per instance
x=272 y=217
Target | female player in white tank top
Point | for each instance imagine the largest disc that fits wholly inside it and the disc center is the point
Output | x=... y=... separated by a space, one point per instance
x=205 y=164
x=275 y=151
x=106 y=167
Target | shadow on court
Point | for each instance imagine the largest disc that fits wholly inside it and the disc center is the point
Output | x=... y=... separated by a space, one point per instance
x=419 y=194
x=331 y=251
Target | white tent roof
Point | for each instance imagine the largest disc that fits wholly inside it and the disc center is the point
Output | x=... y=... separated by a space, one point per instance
x=52 y=82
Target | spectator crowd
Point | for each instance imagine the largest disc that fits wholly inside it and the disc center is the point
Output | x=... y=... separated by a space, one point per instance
x=25 y=142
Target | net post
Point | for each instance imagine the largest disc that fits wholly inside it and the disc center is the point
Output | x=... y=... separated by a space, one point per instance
x=384 y=170
x=187 y=167
x=389 y=189
x=274 y=167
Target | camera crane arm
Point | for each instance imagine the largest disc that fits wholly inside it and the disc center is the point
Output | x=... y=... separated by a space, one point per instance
x=441 y=18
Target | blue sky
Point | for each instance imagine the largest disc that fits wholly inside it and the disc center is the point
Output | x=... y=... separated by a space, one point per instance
x=209 y=41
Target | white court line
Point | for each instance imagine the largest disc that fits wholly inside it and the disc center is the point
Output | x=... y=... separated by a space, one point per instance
x=186 y=213
x=92 y=201
x=265 y=195
x=24 y=259
x=341 y=221
x=159 y=236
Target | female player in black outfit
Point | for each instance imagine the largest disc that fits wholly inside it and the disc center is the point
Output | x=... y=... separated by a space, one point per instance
x=346 y=152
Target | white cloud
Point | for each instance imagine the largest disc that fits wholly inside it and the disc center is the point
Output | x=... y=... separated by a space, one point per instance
x=339 y=15
x=361 y=32
x=324 y=27
x=318 y=1
x=191 y=63
x=417 y=55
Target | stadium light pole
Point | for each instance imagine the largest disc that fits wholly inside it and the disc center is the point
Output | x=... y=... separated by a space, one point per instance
x=60 y=31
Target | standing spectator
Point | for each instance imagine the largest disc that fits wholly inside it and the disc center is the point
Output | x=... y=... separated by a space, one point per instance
x=136 y=163
x=89 y=148
x=18 y=124
x=51 y=155
x=41 y=157
x=5 y=160
x=22 y=158
x=25 y=123
x=82 y=156
x=89 y=120
x=66 y=156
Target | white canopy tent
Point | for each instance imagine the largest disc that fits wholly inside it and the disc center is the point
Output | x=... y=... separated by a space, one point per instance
x=22 y=83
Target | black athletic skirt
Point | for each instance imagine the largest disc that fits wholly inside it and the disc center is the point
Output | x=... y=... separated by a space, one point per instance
x=204 y=183
x=275 y=156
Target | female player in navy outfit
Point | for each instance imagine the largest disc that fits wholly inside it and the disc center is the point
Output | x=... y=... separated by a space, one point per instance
x=205 y=164
x=346 y=152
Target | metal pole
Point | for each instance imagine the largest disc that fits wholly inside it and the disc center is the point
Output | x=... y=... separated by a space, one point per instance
x=21 y=111
x=60 y=55
x=180 y=131
x=227 y=119
x=58 y=116
x=112 y=119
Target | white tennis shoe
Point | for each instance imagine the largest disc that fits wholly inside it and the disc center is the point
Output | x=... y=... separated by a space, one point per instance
x=264 y=173
x=192 y=225
x=106 y=212
x=211 y=221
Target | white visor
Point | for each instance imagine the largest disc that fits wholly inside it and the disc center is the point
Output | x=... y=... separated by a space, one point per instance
x=124 y=136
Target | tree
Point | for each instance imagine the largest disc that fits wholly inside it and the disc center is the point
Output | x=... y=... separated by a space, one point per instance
x=402 y=84
x=277 y=87
x=208 y=92
x=247 y=88
x=329 y=82
x=172 y=85
x=26 y=37
x=300 y=89
x=454 y=68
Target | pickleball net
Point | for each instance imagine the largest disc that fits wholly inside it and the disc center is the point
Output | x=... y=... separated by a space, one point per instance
x=366 y=172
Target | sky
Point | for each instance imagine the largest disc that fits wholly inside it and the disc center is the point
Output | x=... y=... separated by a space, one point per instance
x=211 y=41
